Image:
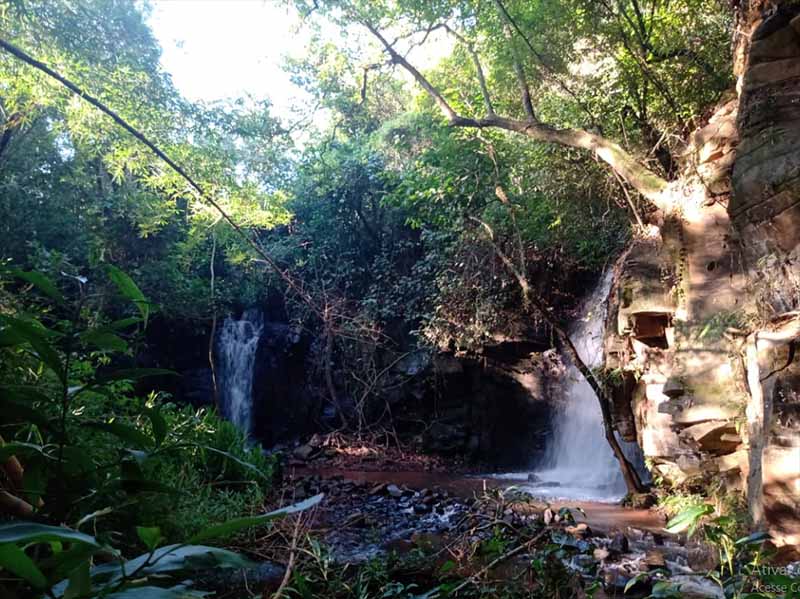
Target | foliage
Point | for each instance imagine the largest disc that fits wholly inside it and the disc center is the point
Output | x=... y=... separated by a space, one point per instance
x=742 y=559
x=81 y=449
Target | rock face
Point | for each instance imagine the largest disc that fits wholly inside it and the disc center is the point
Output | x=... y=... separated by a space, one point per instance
x=494 y=407
x=729 y=260
x=283 y=408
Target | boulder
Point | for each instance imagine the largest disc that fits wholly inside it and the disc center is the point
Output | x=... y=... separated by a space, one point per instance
x=715 y=436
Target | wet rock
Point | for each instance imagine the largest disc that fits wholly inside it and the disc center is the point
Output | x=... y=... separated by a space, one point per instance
x=654 y=559
x=601 y=554
x=697 y=587
x=582 y=563
x=303 y=452
x=619 y=543
x=533 y=478
x=702 y=557
x=579 y=531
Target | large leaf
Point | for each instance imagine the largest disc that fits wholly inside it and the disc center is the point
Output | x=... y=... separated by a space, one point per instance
x=129 y=289
x=123 y=431
x=80 y=581
x=150 y=592
x=158 y=423
x=104 y=339
x=14 y=412
x=16 y=561
x=29 y=532
x=18 y=449
x=41 y=282
x=754 y=539
x=164 y=561
x=237 y=524
x=689 y=518
x=35 y=336
x=133 y=374
x=233 y=458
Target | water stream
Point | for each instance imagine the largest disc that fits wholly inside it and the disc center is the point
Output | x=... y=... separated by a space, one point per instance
x=236 y=353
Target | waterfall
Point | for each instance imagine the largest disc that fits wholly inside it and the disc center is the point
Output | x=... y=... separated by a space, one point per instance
x=579 y=463
x=236 y=354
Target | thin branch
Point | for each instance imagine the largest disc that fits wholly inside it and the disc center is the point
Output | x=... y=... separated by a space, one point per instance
x=519 y=71
x=543 y=62
x=487 y=100
x=249 y=239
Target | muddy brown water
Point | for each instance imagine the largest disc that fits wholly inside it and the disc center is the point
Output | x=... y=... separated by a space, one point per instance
x=604 y=517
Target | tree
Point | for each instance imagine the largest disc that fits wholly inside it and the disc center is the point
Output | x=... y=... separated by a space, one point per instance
x=519 y=71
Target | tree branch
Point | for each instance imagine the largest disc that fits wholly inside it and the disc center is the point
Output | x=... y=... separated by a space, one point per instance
x=250 y=239
x=647 y=183
x=541 y=60
x=519 y=71
x=487 y=99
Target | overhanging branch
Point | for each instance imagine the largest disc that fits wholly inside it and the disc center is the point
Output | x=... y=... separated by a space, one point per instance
x=638 y=176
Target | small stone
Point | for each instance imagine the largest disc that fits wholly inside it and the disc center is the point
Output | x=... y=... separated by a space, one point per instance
x=601 y=554
x=394 y=491
x=619 y=543
x=654 y=559
x=379 y=488
x=303 y=452
x=533 y=478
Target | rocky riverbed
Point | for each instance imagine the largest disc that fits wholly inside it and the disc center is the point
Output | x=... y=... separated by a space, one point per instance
x=364 y=517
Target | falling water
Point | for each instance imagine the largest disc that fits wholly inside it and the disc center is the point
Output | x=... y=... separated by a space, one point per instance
x=579 y=458
x=579 y=463
x=236 y=353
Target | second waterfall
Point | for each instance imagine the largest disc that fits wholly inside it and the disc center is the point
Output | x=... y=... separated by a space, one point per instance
x=237 y=345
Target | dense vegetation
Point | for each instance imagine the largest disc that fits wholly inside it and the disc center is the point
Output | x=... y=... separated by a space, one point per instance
x=386 y=230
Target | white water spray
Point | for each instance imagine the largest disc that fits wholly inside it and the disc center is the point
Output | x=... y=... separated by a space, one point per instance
x=579 y=459
x=236 y=355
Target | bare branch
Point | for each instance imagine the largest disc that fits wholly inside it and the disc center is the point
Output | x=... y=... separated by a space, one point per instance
x=519 y=71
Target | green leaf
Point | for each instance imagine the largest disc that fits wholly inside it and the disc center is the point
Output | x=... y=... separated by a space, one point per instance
x=18 y=413
x=41 y=282
x=635 y=580
x=149 y=535
x=233 y=458
x=35 y=337
x=133 y=374
x=104 y=339
x=124 y=323
x=129 y=289
x=689 y=518
x=16 y=561
x=28 y=532
x=124 y=432
x=754 y=539
x=17 y=449
x=158 y=423
x=80 y=581
x=237 y=524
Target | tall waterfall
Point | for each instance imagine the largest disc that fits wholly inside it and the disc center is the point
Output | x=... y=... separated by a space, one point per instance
x=236 y=354
x=579 y=463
